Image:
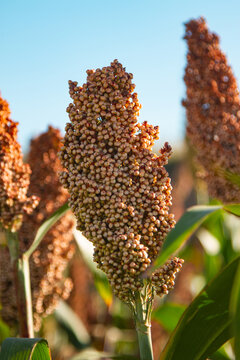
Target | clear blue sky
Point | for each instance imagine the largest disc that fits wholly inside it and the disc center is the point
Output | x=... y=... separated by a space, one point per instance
x=45 y=43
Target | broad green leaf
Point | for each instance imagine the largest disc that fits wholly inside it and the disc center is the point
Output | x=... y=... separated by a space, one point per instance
x=45 y=227
x=205 y=325
x=220 y=354
x=235 y=311
x=25 y=349
x=168 y=315
x=184 y=228
x=212 y=265
x=214 y=224
x=233 y=209
x=66 y=316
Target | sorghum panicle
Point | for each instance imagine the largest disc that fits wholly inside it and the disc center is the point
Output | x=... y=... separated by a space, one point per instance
x=213 y=111
x=49 y=261
x=14 y=174
x=120 y=191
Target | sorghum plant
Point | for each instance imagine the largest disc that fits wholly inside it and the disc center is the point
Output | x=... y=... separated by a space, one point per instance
x=119 y=189
x=213 y=111
x=50 y=259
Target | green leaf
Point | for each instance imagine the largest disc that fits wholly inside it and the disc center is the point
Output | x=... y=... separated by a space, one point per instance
x=220 y=354
x=100 y=279
x=103 y=288
x=168 y=315
x=25 y=349
x=4 y=331
x=184 y=228
x=205 y=325
x=233 y=209
x=235 y=311
x=45 y=227
x=67 y=317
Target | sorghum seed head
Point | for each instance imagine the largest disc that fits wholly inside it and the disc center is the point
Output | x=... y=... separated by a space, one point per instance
x=119 y=189
x=213 y=111
x=14 y=174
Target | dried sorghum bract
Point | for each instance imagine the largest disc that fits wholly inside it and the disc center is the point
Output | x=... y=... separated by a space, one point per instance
x=14 y=174
x=213 y=111
x=120 y=191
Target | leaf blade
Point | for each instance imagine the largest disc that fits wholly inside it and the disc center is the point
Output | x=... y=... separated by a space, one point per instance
x=235 y=311
x=233 y=209
x=45 y=227
x=205 y=323
x=184 y=228
x=168 y=315
x=25 y=349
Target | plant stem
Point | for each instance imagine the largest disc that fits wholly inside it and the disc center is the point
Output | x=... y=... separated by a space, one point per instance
x=145 y=341
x=24 y=278
x=22 y=286
x=143 y=325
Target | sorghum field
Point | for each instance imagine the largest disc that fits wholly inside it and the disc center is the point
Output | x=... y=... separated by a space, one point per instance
x=111 y=248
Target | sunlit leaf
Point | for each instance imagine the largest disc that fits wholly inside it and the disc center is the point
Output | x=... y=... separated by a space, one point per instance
x=45 y=227
x=205 y=325
x=220 y=355
x=100 y=279
x=25 y=349
x=233 y=209
x=184 y=228
x=103 y=288
x=168 y=315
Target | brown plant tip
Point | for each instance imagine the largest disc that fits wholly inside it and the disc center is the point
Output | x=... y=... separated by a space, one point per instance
x=49 y=261
x=213 y=111
x=14 y=174
x=120 y=191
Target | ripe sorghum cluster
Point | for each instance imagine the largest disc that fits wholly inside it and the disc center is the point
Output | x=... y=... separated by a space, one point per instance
x=213 y=111
x=50 y=259
x=14 y=174
x=120 y=191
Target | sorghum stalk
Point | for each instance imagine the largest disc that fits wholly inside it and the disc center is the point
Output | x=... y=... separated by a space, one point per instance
x=142 y=317
x=120 y=191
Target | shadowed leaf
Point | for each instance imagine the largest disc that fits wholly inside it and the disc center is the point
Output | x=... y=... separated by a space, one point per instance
x=25 y=349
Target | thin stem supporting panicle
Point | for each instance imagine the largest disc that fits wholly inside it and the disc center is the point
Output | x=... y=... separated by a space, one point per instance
x=22 y=286
x=142 y=317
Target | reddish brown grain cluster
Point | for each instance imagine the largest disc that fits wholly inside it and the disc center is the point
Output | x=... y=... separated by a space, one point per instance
x=51 y=257
x=14 y=174
x=213 y=111
x=120 y=191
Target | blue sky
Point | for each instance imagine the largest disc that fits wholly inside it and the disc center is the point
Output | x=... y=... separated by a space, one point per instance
x=45 y=43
